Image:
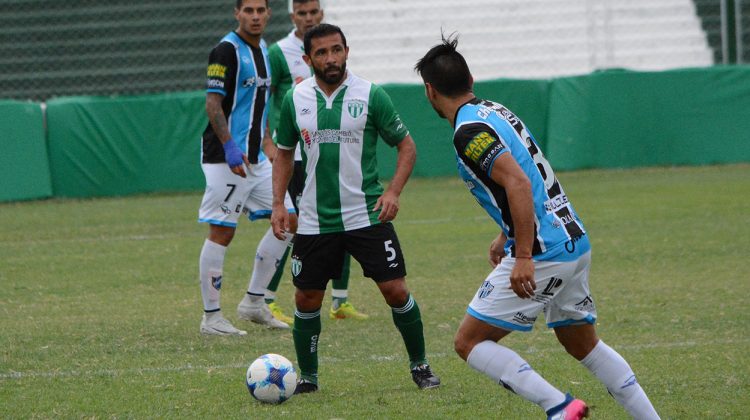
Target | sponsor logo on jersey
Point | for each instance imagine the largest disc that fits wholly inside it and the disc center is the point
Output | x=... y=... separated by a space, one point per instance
x=217 y=70
x=305 y=111
x=556 y=203
x=335 y=136
x=478 y=145
x=260 y=82
x=355 y=107
x=483 y=113
x=505 y=114
x=490 y=156
x=215 y=84
x=306 y=137
x=567 y=219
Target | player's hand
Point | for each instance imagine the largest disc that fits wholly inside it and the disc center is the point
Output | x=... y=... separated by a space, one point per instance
x=522 y=278
x=280 y=222
x=497 y=250
x=388 y=205
x=235 y=158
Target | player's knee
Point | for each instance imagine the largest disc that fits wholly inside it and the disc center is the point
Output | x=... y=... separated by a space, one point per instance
x=395 y=292
x=579 y=347
x=462 y=345
x=308 y=300
x=221 y=235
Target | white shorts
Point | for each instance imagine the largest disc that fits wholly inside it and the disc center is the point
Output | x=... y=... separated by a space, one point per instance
x=562 y=291
x=228 y=195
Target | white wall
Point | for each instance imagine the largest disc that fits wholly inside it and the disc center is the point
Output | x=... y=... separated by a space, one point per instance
x=521 y=38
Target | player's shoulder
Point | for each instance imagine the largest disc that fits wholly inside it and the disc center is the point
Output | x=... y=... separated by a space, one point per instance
x=467 y=130
x=302 y=90
x=230 y=40
x=275 y=48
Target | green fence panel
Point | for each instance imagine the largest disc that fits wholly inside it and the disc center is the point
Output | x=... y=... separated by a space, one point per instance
x=434 y=136
x=24 y=164
x=106 y=146
x=627 y=119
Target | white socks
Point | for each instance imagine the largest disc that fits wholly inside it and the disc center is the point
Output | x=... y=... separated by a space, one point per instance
x=211 y=265
x=507 y=368
x=267 y=258
x=615 y=373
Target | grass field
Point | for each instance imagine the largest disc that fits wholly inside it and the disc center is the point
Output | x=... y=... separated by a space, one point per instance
x=101 y=305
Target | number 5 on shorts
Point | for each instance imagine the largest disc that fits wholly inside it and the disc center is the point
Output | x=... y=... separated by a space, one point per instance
x=389 y=249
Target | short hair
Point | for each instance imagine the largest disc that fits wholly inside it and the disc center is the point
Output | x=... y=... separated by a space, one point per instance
x=319 y=31
x=445 y=68
x=293 y=2
x=239 y=4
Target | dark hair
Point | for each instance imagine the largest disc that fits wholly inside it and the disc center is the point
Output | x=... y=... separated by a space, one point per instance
x=445 y=68
x=239 y=4
x=319 y=31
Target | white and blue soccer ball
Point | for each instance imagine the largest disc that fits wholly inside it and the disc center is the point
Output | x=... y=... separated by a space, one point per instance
x=271 y=378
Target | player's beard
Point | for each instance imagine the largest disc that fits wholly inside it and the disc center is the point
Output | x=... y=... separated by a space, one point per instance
x=331 y=79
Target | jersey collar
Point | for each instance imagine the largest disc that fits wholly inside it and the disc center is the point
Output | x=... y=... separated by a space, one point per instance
x=347 y=82
x=473 y=101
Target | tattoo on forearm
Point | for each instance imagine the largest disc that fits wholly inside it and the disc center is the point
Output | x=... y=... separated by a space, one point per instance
x=218 y=121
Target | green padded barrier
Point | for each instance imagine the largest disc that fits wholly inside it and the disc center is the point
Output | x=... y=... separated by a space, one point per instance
x=621 y=119
x=24 y=165
x=124 y=145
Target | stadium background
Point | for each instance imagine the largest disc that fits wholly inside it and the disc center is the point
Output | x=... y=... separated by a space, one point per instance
x=105 y=98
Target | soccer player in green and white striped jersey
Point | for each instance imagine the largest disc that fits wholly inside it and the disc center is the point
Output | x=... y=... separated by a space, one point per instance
x=336 y=117
x=288 y=68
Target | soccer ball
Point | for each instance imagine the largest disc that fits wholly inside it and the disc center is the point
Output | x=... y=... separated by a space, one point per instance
x=271 y=378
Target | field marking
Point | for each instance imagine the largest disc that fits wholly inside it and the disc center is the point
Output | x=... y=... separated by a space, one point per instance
x=160 y=237
x=12 y=375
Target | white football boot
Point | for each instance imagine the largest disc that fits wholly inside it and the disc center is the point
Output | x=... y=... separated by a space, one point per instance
x=215 y=324
x=260 y=314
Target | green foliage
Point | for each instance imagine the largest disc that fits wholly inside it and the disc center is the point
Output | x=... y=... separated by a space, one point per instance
x=100 y=307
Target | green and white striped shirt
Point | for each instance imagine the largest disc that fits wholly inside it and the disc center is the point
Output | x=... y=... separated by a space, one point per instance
x=338 y=136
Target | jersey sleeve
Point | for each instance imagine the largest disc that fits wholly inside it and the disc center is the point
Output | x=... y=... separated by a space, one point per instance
x=279 y=72
x=287 y=132
x=478 y=146
x=222 y=68
x=386 y=118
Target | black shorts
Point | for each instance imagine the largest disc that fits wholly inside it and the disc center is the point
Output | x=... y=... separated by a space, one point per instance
x=318 y=258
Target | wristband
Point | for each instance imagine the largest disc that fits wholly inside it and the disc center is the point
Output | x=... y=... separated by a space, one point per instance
x=232 y=154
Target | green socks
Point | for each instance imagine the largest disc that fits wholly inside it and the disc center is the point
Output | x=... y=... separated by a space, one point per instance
x=408 y=320
x=273 y=286
x=306 y=331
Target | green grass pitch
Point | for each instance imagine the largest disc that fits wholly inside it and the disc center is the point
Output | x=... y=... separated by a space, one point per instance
x=100 y=307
